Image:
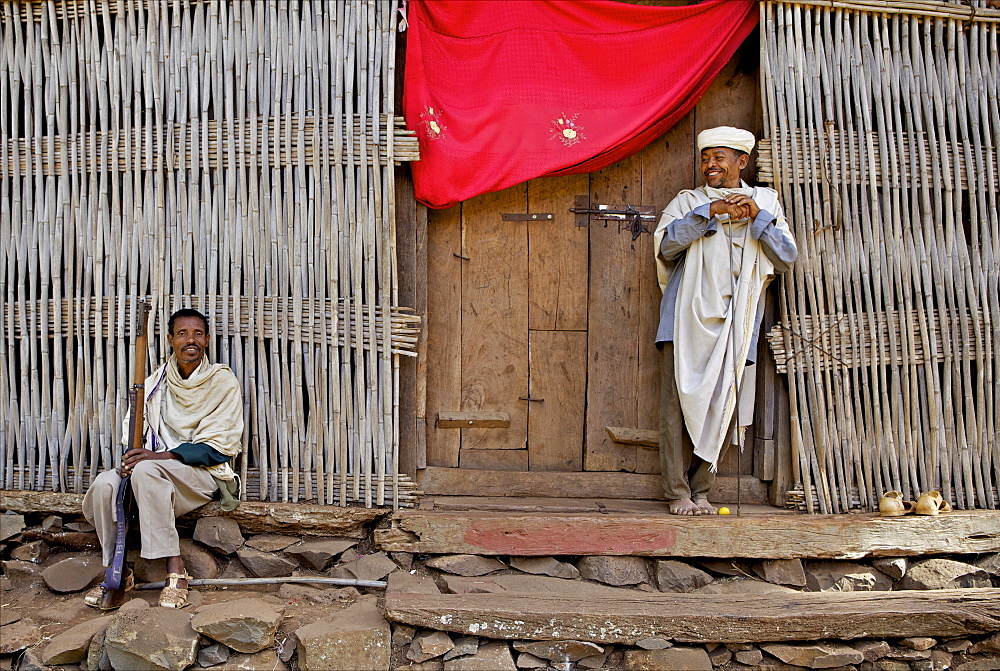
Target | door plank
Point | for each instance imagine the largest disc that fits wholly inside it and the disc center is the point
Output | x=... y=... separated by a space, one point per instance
x=444 y=330
x=558 y=364
x=494 y=460
x=495 y=316
x=558 y=256
x=613 y=326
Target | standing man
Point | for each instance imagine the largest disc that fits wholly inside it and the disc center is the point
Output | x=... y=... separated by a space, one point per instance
x=194 y=426
x=717 y=248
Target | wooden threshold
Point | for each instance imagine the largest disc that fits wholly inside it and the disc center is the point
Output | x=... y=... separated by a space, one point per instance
x=704 y=618
x=560 y=484
x=752 y=536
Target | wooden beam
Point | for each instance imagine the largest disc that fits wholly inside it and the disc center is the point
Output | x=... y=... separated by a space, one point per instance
x=473 y=420
x=757 y=536
x=704 y=618
x=252 y=516
x=643 y=437
x=561 y=484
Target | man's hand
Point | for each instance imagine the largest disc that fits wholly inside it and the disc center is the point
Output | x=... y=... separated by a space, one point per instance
x=134 y=456
x=737 y=206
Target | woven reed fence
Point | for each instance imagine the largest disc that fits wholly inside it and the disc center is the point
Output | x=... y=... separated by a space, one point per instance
x=235 y=157
x=884 y=143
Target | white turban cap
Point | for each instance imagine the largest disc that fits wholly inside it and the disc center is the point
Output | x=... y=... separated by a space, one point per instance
x=727 y=136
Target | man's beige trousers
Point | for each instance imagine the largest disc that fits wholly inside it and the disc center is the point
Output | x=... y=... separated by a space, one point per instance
x=164 y=490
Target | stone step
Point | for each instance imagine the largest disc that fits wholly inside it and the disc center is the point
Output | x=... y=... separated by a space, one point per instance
x=703 y=618
x=752 y=536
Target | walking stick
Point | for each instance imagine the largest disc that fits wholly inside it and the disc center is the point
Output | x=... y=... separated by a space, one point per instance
x=114 y=594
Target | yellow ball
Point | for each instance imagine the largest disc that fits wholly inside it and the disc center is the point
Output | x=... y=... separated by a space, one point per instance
x=723 y=510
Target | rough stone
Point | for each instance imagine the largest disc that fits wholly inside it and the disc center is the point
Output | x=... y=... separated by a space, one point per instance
x=986 y=662
x=988 y=644
x=560 y=651
x=527 y=584
x=907 y=654
x=488 y=657
x=894 y=567
x=594 y=661
x=677 y=576
x=245 y=625
x=428 y=645
x=150 y=638
x=653 y=644
x=990 y=563
x=751 y=657
x=10 y=525
x=405 y=582
x=614 y=570
x=782 y=572
x=738 y=585
x=30 y=661
x=545 y=566
x=693 y=659
x=52 y=523
x=842 y=576
x=957 y=645
x=466 y=645
x=255 y=661
x=918 y=642
x=402 y=634
x=265 y=564
x=356 y=638
x=70 y=647
x=270 y=542
x=720 y=656
x=83 y=527
x=369 y=567
x=18 y=636
x=6 y=584
x=74 y=573
x=22 y=573
x=213 y=654
x=888 y=665
x=467 y=565
x=36 y=552
x=341 y=595
x=526 y=660
x=871 y=649
x=403 y=559
x=198 y=562
x=320 y=553
x=97 y=656
x=220 y=533
x=939 y=573
x=815 y=656
x=938 y=661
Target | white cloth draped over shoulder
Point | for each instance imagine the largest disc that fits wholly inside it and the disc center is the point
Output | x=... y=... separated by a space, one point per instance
x=712 y=330
x=207 y=407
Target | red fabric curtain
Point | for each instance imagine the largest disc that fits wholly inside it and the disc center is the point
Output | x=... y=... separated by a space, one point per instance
x=503 y=91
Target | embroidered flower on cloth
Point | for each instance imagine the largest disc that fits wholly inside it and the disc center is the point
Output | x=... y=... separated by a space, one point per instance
x=430 y=120
x=567 y=130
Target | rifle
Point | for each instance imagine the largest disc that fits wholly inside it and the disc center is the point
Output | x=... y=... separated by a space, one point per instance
x=114 y=594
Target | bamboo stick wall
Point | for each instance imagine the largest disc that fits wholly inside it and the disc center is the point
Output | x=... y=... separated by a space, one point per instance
x=237 y=157
x=884 y=128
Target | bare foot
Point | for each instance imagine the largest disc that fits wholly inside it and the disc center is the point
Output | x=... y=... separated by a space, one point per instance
x=705 y=507
x=684 y=507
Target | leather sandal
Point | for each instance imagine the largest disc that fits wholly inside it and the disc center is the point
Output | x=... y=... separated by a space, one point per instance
x=892 y=505
x=102 y=598
x=172 y=595
x=932 y=503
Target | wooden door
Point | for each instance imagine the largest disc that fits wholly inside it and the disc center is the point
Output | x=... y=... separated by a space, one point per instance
x=540 y=331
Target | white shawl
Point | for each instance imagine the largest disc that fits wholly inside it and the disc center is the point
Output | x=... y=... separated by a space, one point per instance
x=207 y=407
x=712 y=332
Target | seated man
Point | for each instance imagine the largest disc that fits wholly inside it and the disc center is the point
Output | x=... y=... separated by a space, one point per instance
x=193 y=427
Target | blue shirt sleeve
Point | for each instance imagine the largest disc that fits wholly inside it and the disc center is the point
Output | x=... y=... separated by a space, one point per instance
x=680 y=233
x=199 y=454
x=778 y=246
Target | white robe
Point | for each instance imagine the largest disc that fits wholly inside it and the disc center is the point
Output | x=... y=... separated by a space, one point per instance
x=712 y=332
